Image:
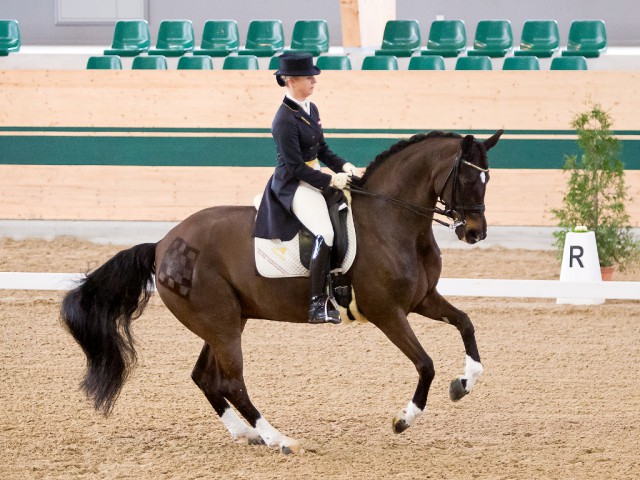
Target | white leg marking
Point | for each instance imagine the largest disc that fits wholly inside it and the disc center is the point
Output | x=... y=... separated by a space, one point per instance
x=472 y=371
x=273 y=438
x=483 y=177
x=237 y=428
x=410 y=414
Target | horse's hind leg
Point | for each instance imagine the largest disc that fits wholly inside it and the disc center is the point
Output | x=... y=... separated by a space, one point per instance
x=436 y=307
x=207 y=376
x=222 y=359
x=228 y=356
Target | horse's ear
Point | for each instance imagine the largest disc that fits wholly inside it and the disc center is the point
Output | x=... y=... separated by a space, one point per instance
x=467 y=143
x=490 y=142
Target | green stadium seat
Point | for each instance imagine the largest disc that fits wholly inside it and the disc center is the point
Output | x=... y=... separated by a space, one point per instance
x=143 y=62
x=104 y=62
x=310 y=36
x=494 y=38
x=130 y=38
x=265 y=38
x=401 y=38
x=540 y=38
x=333 y=62
x=175 y=38
x=587 y=38
x=380 y=62
x=201 y=62
x=219 y=38
x=521 y=63
x=274 y=63
x=447 y=38
x=474 y=63
x=431 y=62
x=246 y=62
x=9 y=37
x=569 y=63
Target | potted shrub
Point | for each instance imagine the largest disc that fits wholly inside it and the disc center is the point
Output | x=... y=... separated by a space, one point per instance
x=596 y=192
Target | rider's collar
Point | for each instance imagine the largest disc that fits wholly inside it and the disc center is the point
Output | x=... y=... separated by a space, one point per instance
x=305 y=105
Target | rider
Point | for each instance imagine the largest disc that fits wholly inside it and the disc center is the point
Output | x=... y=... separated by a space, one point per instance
x=294 y=194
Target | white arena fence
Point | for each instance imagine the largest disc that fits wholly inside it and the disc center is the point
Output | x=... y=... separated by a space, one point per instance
x=465 y=287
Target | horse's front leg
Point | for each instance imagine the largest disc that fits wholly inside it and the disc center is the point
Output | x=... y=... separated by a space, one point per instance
x=436 y=307
x=398 y=330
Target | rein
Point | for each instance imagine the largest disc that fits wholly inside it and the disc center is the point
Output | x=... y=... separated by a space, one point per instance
x=417 y=209
x=454 y=212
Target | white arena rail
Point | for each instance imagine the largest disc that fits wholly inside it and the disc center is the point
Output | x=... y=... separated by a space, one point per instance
x=465 y=287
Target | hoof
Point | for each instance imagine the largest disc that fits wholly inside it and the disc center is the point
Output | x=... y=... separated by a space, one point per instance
x=292 y=449
x=399 y=425
x=255 y=441
x=457 y=390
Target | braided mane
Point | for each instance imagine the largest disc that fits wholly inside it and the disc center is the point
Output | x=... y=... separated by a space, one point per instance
x=401 y=145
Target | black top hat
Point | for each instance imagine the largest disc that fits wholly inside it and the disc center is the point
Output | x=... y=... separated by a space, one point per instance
x=295 y=65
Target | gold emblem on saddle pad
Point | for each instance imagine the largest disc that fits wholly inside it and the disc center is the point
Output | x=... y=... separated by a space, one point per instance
x=282 y=251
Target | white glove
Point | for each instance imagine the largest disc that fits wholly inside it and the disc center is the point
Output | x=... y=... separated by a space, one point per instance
x=350 y=169
x=339 y=180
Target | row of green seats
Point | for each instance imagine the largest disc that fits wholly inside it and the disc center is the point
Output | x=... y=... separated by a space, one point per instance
x=493 y=38
x=337 y=62
x=204 y=62
x=186 y=62
x=220 y=38
x=479 y=62
x=521 y=63
x=265 y=38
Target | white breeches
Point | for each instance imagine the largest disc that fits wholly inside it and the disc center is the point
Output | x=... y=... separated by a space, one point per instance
x=311 y=209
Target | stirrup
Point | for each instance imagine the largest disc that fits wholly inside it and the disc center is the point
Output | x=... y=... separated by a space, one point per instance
x=322 y=312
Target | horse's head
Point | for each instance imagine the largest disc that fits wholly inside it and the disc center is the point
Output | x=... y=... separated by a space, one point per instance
x=465 y=186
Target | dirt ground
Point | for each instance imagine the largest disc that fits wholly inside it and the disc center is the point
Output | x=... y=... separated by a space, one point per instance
x=560 y=397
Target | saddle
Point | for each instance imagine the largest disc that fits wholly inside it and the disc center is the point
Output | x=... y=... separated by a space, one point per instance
x=278 y=259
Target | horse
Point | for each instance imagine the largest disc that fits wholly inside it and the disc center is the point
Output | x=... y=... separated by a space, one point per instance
x=205 y=273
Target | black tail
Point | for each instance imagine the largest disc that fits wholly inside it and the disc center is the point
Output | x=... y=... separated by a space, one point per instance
x=98 y=314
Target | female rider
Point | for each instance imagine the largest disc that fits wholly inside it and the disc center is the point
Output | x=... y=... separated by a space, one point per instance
x=294 y=194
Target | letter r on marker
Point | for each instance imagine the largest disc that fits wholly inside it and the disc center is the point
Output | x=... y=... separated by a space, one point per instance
x=575 y=252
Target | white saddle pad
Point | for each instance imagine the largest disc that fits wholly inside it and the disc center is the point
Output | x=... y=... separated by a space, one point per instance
x=278 y=259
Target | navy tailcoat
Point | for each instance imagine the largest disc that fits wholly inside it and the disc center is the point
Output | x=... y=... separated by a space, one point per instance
x=299 y=139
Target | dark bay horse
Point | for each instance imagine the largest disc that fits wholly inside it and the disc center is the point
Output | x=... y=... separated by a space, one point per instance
x=205 y=273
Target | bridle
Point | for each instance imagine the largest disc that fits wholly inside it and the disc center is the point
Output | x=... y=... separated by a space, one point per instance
x=455 y=210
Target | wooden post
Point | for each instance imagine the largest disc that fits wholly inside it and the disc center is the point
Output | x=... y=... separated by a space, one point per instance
x=363 y=21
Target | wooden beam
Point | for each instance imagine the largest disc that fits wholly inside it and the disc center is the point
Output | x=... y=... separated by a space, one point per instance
x=350 y=19
x=363 y=21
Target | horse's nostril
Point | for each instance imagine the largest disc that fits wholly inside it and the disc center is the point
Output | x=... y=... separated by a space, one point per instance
x=474 y=236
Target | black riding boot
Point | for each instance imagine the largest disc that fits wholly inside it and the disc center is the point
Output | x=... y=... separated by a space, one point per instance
x=321 y=310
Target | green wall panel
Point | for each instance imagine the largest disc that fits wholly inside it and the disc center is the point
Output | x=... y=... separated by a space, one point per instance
x=163 y=149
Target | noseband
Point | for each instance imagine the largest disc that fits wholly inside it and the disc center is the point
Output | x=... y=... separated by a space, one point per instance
x=454 y=210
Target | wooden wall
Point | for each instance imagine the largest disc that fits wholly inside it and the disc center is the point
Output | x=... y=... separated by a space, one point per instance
x=52 y=192
x=357 y=103
x=412 y=100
